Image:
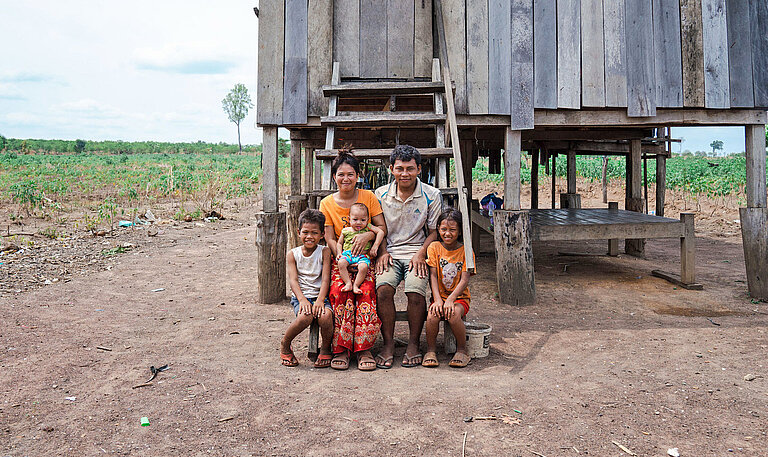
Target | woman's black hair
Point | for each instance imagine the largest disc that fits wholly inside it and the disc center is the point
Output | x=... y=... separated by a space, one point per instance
x=345 y=156
x=451 y=214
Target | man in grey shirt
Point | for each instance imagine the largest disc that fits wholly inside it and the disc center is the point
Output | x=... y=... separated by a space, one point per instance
x=411 y=209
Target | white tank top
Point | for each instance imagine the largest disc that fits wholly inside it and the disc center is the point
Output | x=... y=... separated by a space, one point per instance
x=310 y=271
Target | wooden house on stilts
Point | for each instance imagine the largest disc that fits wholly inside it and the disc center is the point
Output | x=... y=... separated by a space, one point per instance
x=547 y=78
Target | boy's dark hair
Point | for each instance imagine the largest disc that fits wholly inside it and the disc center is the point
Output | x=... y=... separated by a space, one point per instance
x=312 y=216
x=451 y=214
x=360 y=206
x=345 y=156
x=405 y=153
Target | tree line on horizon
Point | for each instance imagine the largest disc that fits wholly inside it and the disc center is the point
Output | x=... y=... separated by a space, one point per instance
x=39 y=146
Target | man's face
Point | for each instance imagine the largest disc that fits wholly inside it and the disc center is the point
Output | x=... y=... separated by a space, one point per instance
x=405 y=173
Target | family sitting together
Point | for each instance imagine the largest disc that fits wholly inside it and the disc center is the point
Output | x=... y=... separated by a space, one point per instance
x=373 y=242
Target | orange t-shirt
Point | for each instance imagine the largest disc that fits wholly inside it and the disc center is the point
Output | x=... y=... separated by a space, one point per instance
x=338 y=217
x=449 y=265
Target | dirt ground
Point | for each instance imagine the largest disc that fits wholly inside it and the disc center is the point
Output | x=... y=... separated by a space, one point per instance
x=609 y=356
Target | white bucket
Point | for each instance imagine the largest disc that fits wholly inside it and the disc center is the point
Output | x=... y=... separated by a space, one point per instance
x=478 y=339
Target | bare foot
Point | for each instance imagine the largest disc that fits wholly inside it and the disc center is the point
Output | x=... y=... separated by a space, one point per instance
x=347 y=287
x=356 y=290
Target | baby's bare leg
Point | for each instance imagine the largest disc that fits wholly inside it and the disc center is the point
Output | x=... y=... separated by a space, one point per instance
x=362 y=271
x=344 y=274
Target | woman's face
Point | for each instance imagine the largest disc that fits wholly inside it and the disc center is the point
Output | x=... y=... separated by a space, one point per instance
x=346 y=178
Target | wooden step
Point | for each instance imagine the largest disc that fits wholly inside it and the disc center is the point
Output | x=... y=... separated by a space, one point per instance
x=426 y=153
x=383 y=120
x=384 y=88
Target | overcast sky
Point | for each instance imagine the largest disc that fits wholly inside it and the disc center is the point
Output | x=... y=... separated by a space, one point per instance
x=146 y=70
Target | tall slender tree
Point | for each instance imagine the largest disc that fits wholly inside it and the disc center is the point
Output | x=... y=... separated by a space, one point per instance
x=236 y=104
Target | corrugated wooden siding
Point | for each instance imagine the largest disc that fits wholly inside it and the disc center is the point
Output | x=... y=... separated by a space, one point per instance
x=510 y=56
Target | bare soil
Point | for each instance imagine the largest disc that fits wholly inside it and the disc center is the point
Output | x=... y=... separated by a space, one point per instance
x=608 y=356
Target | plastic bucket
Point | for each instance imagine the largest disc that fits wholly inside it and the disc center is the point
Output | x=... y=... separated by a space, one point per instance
x=478 y=339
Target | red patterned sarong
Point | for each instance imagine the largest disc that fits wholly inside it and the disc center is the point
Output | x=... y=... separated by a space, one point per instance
x=355 y=322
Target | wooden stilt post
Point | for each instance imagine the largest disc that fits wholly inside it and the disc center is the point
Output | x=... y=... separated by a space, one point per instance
x=512 y=145
x=269 y=167
x=309 y=170
x=754 y=218
x=554 y=179
x=514 y=257
x=270 y=257
x=613 y=244
x=571 y=199
x=661 y=183
x=688 y=250
x=635 y=201
x=295 y=157
x=605 y=179
x=296 y=204
x=535 y=179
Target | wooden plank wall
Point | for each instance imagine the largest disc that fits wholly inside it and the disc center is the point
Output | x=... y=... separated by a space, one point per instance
x=641 y=87
x=269 y=91
x=545 y=54
x=715 y=38
x=373 y=38
x=477 y=57
x=295 y=92
x=499 y=56
x=739 y=54
x=319 y=47
x=568 y=54
x=454 y=20
x=592 y=54
x=667 y=52
x=400 y=36
x=615 y=53
x=692 y=53
x=423 y=51
x=521 y=103
x=758 y=20
x=346 y=36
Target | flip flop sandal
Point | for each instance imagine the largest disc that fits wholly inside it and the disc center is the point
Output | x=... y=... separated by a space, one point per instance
x=430 y=360
x=338 y=363
x=323 y=361
x=407 y=360
x=384 y=364
x=362 y=360
x=289 y=360
x=459 y=360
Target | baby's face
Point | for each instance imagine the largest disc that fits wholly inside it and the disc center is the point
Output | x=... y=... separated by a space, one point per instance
x=358 y=219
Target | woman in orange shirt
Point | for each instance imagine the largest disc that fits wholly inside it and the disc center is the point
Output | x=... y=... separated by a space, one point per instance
x=356 y=324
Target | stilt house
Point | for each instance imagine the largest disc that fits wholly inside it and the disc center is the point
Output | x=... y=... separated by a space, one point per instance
x=503 y=78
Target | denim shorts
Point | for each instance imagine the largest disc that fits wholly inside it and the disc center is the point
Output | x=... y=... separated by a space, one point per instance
x=399 y=272
x=355 y=259
x=296 y=305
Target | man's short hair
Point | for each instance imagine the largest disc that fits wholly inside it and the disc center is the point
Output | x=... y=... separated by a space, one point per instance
x=312 y=216
x=405 y=153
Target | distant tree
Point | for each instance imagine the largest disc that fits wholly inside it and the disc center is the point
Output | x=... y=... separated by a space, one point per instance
x=79 y=146
x=700 y=154
x=4 y=141
x=236 y=104
x=716 y=145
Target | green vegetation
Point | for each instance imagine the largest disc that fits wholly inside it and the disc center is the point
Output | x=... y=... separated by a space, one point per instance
x=21 y=146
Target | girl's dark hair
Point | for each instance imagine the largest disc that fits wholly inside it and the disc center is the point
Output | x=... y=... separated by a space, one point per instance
x=451 y=214
x=345 y=156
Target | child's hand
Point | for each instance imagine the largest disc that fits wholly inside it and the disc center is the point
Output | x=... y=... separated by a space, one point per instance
x=374 y=250
x=305 y=307
x=317 y=308
x=436 y=308
x=448 y=309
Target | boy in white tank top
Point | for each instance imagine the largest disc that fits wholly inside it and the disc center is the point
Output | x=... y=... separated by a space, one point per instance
x=309 y=274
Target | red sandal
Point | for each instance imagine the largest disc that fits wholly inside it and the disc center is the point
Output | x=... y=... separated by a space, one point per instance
x=323 y=361
x=289 y=360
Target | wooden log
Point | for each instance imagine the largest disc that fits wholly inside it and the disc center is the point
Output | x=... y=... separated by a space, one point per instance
x=422 y=39
x=499 y=56
x=295 y=79
x=688 y=250
x=741 y=86
x=319 y=47
x=755 y=155
x=592 y=54
x=269 y=92
x=314 y=338
x=675 y=279
x=641 y=89
x=521 y=95
x=309 y=170
x=373 y=39
x=758 y=20
x=661 y=183
x=571 y=172
x=477 y=56
x=692 y=53
x=514 y=257
x=568 y=200
x=535 y=179
x=512 y=169
x=615 y=53
x=270 y=186
x=296 y=204
x=545 y=54
x=613 y=244
x=568 y=54
x=295 y=164
x=715 y=39
x=400 y=38
x=454 y=21
x=754 y=234
x=346 y=36
x=270 y=257
x=667 y=52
